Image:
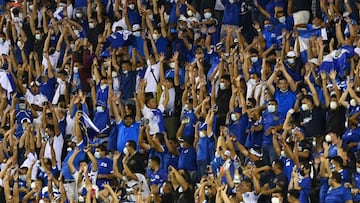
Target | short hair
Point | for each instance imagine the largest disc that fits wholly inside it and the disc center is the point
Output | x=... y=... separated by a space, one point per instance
x=50 y=127
x=155 y=159
x=309 y=98
x=274 y=100
x=294 y=193
x=102 y=147
x=336 y=176
x=278 y=163
x=132 y=144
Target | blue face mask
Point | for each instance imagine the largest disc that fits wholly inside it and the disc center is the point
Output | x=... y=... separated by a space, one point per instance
x=268 y=27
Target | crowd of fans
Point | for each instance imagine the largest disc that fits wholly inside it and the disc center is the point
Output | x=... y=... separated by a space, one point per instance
x=180 y=101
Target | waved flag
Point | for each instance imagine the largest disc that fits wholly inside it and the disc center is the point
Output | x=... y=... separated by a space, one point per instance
x=304 y=36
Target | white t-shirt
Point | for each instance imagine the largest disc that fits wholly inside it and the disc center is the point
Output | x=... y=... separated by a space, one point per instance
x=250 y=197
x=54 y=58
x=92 y=176
x=58 y=145
x=154 y=118
x=171 y=103
x=152 y=77
x=134 y=184
x=38 y=99
x=5 y=47
x=251 y=84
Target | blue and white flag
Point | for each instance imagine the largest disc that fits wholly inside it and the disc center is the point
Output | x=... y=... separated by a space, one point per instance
x=340 y=58
x=304 y=36
x=327 y=64
x=7 y=82
x=119 y=38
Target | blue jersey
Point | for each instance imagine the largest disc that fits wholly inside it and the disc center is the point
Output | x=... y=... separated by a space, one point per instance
x=305 y=185
x=338 y=195
x=127 y=133
x=105 y=166
x=79 y=157
x=271 y=120
x=187 y=159
x=158 y=177
x=102 y=120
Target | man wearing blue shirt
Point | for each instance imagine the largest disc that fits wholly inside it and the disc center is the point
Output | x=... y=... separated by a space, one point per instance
x=105 y=167
x=157 y=175
x=128 y=128
x=285 y=97
x=69 y=181
x=272 y=121
x=337 y=192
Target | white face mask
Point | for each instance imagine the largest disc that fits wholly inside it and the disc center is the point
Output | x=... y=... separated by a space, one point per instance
x=1 y=40
x=68 y=149
x=22 y=106
x=151 y=17
x=186 y=107
x=155 y=36
x=104 y=86
x=97 y=155
x=19 y=43
x=137 y=33
x=125 y=150
x=275 y=200
x=357 y=170
x=333 y=105
x=4 y=30
x=304 y=107
x=353 y=102
x=202 y=134
x=99 y=109
x=77 y=32
x=91 y=25
x=254 y=59
x=231 y=1
x=22 y=177
x=282 y=19
x=172 y=65
x=328 y=138
x=72 y=46
x=283 y=154
x=131 y=6
x=233 y=117
x=271 y=108
x=222 y=86
x=125 y=72
x=291 y=61
x=59 y=80
x=78 y=15
x=81 y=199
x=31 y=7
x=182 y=145
x=207 y=15
x=37 y=37
x=75 y=69
x=114 y=74
x=189 y=12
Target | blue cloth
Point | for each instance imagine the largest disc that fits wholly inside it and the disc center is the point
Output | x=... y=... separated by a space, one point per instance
x=271 y=120
x=102 y=120
x=189 y=129
x=357 y=185
x=286 y=100
x=338 y=195
x=127 y=84
x=79 y=157
x=105 y=166
x=231 y=13
x=351 y=135
x=187 y=159
x=305 y=185
x=238 y=128
x=127 y=133
x=48 y=88
x=158 y=177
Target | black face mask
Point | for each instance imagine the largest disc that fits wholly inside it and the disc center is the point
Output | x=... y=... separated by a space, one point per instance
x=302 y=172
